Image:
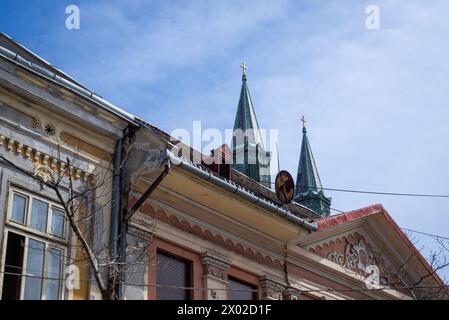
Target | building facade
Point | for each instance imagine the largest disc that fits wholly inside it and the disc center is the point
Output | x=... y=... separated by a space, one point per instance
x=51 y=127
x=169 y=227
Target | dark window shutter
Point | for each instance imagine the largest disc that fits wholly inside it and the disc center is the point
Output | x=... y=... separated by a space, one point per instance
x=239 y=290
x=172 y=273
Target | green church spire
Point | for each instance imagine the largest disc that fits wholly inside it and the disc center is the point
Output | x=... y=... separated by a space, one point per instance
x=250 y=157
x=309 y=190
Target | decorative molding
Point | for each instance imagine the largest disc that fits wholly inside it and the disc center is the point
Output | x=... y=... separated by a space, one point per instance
x=291 y=293
x=355 y=253
x=44 y=172
x=37 y=156
x=208 y=235
x=28 y=151
x=139 y=233
x=10 y=145
x=215 y=266
x=271 y=289
x=19 y=148
x=53 y=163
x=44 y=163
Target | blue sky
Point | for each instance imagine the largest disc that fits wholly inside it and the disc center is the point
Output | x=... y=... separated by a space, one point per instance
x=376 y=101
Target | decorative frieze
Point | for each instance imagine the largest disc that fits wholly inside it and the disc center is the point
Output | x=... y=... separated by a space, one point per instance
x=271 y=289
x=208 y=235
x=44 y=163
x=355 y=253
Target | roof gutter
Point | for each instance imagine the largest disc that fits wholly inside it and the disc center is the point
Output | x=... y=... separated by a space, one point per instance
x=233 y=188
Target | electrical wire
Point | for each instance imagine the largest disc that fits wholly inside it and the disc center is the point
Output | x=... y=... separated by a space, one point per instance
x=426 y=234
x=402 y=194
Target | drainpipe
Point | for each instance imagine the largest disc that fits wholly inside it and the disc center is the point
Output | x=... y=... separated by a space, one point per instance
x=116 y=201
x=117 y=229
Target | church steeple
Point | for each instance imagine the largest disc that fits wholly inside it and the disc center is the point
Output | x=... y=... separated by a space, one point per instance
x=309 y=190
x=247 y=146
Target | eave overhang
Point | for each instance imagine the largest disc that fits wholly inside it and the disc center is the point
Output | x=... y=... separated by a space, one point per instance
x=232 y=201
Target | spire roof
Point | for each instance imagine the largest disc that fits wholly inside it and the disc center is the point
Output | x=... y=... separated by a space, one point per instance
x=309 y=190
x=308 y=178
x=245 y=118
x=249 y=155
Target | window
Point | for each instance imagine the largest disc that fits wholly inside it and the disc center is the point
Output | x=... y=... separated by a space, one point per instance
x=35 y=248
x=33 y=269
x=173 y=275
x=37 y=213
x=239 y=290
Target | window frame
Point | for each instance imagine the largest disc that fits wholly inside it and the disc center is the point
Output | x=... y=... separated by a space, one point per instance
x=27 y=219
x=50 y=240
x=48 y=244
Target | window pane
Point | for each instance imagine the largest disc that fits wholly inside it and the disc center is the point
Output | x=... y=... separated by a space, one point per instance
x=39 y=212
x=18 y=208
x=57 y=223
x=241 y=291
x=53 y=274
x=34 y=268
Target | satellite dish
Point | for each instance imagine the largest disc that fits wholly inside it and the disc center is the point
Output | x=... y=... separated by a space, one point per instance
x=285 y=187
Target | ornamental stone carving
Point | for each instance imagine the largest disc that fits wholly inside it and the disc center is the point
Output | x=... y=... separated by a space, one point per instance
x=354 y=253
x=291 y=294
x=44 y=173
x=215 y=266
x=271 y=289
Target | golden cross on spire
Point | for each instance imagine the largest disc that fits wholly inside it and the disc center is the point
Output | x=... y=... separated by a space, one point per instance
x=303 y=120
x=244 y=67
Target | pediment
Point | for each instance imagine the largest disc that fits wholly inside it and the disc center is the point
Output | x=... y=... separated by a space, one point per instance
x=367 y=242
x=359 y=254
